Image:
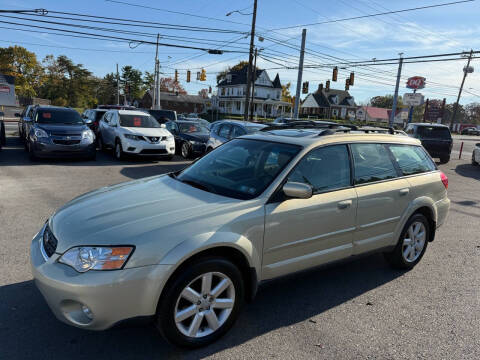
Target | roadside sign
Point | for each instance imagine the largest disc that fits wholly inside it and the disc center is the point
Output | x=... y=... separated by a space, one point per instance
x=7 y=90
x=416 y=82
x=413 y=99
x=360 y=114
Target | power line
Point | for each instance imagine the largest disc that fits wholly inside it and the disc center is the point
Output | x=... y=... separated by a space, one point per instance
x=371 y=15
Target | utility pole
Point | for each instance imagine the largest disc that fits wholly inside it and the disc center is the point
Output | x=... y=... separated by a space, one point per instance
x=250 y=61
x=395 y=96
x=466 y=70
x=156 y=95
x=254 y=77
x=300 y=72
x=118 y=87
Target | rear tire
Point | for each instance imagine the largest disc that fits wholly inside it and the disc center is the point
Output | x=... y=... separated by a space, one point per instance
x=444 y=159
x=214 y=319
x=411 y=246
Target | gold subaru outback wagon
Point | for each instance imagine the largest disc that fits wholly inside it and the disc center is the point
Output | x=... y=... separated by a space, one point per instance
x=186 y=249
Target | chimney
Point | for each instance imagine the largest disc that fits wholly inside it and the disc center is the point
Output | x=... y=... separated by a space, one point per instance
x=320 y=88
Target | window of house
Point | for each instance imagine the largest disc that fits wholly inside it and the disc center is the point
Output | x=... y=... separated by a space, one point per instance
x=223 y=91
x=324 y=169
x=372 y=163
x=238 y=105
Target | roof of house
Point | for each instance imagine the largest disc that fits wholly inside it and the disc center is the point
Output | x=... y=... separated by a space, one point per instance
x=239 y=77
x=325 y=98
x=186 y=98
x=380 y=113
x=276 y=83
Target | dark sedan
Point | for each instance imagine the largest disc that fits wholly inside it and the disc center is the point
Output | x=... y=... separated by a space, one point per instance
x=190 y=137
x=59 y=132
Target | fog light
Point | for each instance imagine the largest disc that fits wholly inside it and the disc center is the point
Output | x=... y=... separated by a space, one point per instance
x=172 y=148
x=131 y=148
x=88 y=313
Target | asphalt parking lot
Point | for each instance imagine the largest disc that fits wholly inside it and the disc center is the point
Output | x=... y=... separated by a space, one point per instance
x=355 y=310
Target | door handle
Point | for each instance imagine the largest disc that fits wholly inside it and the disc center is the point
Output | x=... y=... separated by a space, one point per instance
x=344 y=204
x=404 y=192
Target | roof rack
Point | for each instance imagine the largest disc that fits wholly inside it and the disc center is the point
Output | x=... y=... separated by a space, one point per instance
x=308 y=124
x=366 y=130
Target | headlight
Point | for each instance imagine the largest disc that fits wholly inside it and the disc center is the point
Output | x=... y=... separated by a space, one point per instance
x=133 y=137
x=170 y=138
x=84 y=258
x=196 y=142
x=40 y=133
x=88 y=135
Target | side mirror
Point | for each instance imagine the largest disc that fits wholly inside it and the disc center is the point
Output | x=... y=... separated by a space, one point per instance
x=297 y=190
x=87 y=120
x=163 y=126
x=27 y=119
x=18 y=115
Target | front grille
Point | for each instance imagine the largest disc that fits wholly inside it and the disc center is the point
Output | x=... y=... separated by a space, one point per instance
x=154 y=151
x=49 y=242
x=155 y=139
x=65 y=134
x=66 y=142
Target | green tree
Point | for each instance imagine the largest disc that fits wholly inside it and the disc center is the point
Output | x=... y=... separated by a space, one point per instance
x=385 y=101
x=221 y=75
x=21 y=63
x=107 y=92
x=133 y=84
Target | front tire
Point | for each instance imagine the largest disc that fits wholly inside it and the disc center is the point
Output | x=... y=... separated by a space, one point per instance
x=412 y=243
x=474 y=163
x=119 y=154
x=186 y=150
x=31 y=152
x=201 y=303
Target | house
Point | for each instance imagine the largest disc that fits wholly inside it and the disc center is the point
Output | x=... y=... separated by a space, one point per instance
x=329 y=104
x=181 y=103
x=381 y=115
x=267 y=101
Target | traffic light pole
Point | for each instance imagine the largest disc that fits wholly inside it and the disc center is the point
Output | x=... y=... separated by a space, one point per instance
x=465 y=72
x=157 y=79
x=254 y=78
x=250 y=61
x=300 y=72
x=395 y=96
x=118 y=87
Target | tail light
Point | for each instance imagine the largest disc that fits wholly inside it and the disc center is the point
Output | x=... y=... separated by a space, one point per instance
x=444 y=179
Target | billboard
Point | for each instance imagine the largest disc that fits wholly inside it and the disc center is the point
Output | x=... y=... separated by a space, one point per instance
x=416 y=82
x=7 y=90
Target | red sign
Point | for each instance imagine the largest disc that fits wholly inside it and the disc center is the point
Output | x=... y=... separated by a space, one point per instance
x=416 y=82
x=4 y=89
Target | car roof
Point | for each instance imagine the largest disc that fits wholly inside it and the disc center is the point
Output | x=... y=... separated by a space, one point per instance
x=240 y=122
x=313 y=137
x=132 y=112
x=429 y=125
x=51 y=107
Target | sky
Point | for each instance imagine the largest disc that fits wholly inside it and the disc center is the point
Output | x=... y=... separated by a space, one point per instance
x=446 y=29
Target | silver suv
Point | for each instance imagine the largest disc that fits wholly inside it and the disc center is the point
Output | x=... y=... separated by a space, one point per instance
x=187 y=248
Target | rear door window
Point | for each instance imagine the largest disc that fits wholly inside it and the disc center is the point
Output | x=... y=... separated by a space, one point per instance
x=372 y=163
x=412 y=159
x=433 y=132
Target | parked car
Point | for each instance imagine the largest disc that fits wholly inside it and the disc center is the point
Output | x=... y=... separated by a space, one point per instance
x=59 y=132
x=162 y=116
x=201 y=121
x=188 y=248
x=470 y=131
x=133 y=132
x=92 y=118
x=25 y=117
x=435 y=138
x=190 y=137
x=116 y=107
x=476 y=154
x=224 y=130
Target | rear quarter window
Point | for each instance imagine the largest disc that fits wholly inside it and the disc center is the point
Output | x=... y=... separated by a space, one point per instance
x=433 y=132
x=412 y=159
x=372 y=163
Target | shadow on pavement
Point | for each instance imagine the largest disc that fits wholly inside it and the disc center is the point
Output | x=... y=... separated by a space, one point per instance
x=468 y=170
x=28 y=330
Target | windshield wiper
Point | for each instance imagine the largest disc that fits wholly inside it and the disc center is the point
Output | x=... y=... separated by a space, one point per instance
x=197 y=185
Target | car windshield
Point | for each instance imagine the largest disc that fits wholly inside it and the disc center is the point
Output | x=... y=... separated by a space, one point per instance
x=139 y=121
x=241 y=168
x=162 y=115
x=188 y=128
x=58 y=116
x=433 y=132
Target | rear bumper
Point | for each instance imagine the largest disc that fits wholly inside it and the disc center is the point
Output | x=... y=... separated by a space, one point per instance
x=442 y=207
x=111 y=296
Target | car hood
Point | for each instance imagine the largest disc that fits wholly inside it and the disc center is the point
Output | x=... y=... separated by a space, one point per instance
x=194 y=137
x=146 y=131
x=136 y=213
x=62 y=128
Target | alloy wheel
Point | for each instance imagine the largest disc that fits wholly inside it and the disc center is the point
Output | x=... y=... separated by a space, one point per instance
x=414 y=241
x=185 y=150
x=204 y=305
x=118 y=151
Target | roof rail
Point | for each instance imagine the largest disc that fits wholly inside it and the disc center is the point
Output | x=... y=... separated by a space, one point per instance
x=366 y=130
x=305 y=125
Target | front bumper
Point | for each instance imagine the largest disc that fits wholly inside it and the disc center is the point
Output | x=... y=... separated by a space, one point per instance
x=143 y=148
x=111 y=296
x=50 y=150
x=199 y=148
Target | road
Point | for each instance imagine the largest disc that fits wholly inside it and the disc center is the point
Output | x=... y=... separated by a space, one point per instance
x=358 y=309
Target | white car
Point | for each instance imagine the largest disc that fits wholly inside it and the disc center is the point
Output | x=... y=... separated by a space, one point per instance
x=136 y=133
x=476 y=154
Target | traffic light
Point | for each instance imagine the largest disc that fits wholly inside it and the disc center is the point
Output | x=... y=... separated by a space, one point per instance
x=176 y=75
x=305 y=87
x=198 y=75
x=209 y=89
x=203 y=75
x=335 y=74
x=352 y=78
x=347 y=84
x=188 y=75
x=327 y=85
